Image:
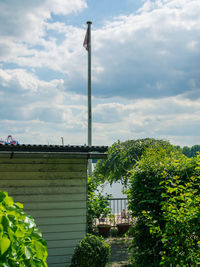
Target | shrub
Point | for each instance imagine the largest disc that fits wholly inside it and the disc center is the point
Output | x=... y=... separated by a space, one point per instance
x=162 y=195
x=92 y=251
x=21 y=243
x=98 y=204
x=180 y=234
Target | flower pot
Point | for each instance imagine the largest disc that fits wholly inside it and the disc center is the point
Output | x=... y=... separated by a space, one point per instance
x=104 y=229
x=123 y=227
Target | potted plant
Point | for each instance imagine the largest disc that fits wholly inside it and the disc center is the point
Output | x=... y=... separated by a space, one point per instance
x=104 y=228
x=123 y=227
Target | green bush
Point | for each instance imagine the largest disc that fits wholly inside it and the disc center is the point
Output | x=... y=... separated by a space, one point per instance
x=21 y=243
x=180 y=233
x=92 y=251
x=98 y=204
x=164 y=196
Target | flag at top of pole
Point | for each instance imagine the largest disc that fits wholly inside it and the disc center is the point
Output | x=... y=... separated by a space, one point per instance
x=87 y=40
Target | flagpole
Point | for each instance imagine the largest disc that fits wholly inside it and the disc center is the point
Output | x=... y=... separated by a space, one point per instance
x=89 y=97
x=89 y=86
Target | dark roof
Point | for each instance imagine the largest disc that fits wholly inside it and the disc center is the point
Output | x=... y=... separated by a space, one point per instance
x=53 y=148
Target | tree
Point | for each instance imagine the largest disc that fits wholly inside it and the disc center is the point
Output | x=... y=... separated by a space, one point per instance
x=164 y=196
x=122 y=157
x=191 y=151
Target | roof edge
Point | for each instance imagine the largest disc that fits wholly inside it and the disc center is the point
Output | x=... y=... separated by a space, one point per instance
x=53 y=148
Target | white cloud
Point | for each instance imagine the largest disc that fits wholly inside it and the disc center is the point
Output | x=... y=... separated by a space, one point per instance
x=164 y=118
x=145 y=73
x=152 y=54
x=39 y=108
x=25 y=20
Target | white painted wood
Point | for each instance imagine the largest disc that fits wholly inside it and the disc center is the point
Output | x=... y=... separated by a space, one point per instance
x=56 y=228
x=56 y=213
x=16 y=190
x=45 y=167
x=43 y=183
x=53 y=189
x=55 y=205
x=63 y=236
x=40 y=175
x=54 y=198
x=60 y=220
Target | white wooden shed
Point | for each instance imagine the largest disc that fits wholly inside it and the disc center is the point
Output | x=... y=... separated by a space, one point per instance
x=51 y=182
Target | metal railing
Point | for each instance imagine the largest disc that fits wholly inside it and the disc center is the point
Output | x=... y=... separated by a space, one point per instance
x=119 y=212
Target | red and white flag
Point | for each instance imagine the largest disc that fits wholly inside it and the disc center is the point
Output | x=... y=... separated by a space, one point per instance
x=86 y=40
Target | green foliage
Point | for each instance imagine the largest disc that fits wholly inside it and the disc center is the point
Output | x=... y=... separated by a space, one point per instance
x=98 y=204
x=21 y=243
x=164 y=196
x=122 y=157
x=191 y=151
x=92 y=251
x=181 y=232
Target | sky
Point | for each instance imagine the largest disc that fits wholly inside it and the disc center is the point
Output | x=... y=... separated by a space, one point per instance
x=145 y=70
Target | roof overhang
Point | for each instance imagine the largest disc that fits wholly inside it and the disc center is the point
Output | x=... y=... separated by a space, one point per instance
x=19 y=151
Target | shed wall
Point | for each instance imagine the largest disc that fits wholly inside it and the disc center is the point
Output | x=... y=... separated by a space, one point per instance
x=52 y=188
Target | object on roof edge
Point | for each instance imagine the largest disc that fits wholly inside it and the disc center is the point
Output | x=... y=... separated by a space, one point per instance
x=9 y=141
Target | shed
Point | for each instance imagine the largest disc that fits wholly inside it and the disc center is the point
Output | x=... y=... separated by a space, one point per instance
x=51 y=182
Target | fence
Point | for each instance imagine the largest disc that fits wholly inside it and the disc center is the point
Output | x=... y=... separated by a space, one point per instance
x=119 y=211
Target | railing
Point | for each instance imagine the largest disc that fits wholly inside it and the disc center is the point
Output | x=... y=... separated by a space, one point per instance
x=119 y=212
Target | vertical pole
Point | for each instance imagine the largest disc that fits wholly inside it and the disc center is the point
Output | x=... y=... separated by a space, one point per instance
x=89 y=97
x=62 y=139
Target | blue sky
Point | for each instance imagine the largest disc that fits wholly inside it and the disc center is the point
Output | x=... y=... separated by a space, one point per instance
x=145 y=70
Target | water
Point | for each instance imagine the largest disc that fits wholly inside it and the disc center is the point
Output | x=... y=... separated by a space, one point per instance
x=115 y=190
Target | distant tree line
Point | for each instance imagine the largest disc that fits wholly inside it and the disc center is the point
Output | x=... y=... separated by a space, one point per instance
x=191 y=151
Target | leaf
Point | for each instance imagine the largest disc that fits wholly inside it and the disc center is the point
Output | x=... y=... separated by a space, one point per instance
x=4 y=244
x=9 y=201
x=5 y=223
x=40 y=250
x=19 y=205
x=19 y=233
x=2 y=196
x=28 y=252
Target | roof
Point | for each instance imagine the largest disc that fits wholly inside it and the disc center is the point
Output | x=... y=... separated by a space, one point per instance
x=93 y=151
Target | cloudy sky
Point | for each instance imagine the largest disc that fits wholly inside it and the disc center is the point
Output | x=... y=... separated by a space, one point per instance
x=145 y=70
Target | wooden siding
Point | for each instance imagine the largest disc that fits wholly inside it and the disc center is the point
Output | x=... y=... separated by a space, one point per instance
x=52 y=187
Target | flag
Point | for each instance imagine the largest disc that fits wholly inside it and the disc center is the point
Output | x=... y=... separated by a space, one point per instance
x=86 y=40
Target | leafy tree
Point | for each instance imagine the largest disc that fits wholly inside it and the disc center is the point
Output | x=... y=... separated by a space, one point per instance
x=122 y=157
x=164 y=189
x=21 y=242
